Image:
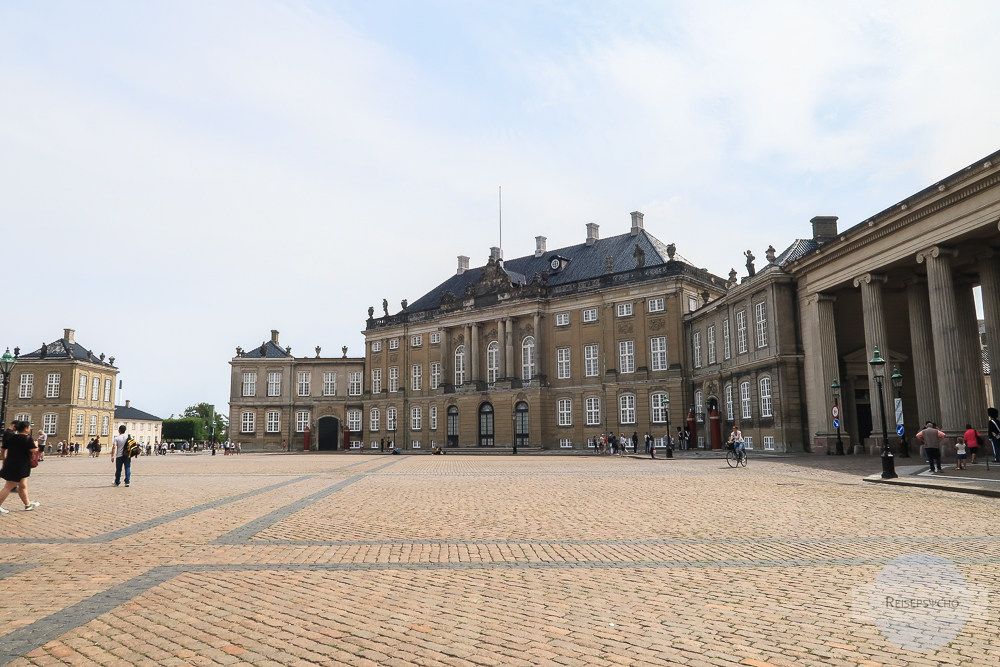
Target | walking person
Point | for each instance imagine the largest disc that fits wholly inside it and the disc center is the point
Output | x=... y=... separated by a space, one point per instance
x=40 y=443
x=993 y=432
x=960 y=455
x=931 y=436
x=971 y=438
x=121 y=457
x=16 y=452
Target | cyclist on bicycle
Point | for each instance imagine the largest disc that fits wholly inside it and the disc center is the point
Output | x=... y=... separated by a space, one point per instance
x=736 y=441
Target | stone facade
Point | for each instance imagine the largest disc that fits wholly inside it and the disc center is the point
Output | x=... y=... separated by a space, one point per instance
x=65 y=390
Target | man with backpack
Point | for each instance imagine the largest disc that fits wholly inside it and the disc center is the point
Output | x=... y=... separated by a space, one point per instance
x=123 y=448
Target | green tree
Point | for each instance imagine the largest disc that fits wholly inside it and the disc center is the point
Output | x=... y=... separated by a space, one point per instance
x=209 y=417
x=185 y=428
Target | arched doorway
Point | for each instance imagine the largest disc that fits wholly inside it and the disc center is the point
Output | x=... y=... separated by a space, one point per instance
x=452 y=426
x=486 y=425
x=329 y=434
x=521 y=424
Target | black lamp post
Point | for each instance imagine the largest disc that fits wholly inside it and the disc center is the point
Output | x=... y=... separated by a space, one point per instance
x=878 y=370
x=665 y=402
x=7 y=363
x=836 y=405
x=897 y=384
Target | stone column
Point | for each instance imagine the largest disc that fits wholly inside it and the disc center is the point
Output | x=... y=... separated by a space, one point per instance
x=944 y=328
x=447 y=359
x=474 y=353
x=922 y=345
x=989 y=280
x=874 y=316
x=828 y=344
x=509 y=370
x=968 y=332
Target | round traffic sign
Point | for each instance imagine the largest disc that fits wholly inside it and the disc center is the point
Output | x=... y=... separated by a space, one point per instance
x=836 y=423
x=899 y=430
x=835 y=412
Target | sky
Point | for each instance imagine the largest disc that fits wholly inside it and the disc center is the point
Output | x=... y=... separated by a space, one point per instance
x=179 y=177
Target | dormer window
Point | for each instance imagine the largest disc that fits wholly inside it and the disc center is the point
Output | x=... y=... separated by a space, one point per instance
x=556 y=263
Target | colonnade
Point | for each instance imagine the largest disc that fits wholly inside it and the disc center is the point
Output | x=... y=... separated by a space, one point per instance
x=473 y=336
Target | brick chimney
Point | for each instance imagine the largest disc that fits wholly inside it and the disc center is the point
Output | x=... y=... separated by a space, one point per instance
x=539 y=246
x=593 y=234
x=274 y=336
x=636 y=222
x=824 y=228
x=68 y=335
x=463 y=264
x=128 y=403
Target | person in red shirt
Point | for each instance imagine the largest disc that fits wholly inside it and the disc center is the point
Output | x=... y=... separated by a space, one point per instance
x=971 y=438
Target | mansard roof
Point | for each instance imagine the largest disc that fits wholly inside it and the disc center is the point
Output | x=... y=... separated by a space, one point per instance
x=62 y=348
x=799 y=248
x=128 y=413
x=266 y=350
x=580 y=262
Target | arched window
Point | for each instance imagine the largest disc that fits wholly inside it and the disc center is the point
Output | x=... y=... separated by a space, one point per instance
x=373 y=421
x=745 y=408
x=390 y=419
x=528 y=358
x=765 y=397
x=460 y=364
x=492 y=361
x=658 y=408
x=729 y=402
x=521 y=424
x=486 y=425
x=452 y=426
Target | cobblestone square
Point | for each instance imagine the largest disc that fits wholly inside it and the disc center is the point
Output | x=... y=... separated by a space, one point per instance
x=485 y=560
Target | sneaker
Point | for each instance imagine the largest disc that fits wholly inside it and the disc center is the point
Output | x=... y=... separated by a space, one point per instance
x=3 y=511
x=126 y=485
x=31 y=506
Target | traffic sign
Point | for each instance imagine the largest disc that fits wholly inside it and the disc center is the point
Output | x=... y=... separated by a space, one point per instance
x=899 y=430
x=836 y=423
x=835 y=412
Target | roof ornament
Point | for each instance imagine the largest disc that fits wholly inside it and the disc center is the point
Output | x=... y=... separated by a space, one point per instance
x=90 y=355
x=288 y=351
x=69 y=352
x=111 y=360
x=671 y=251
x=750 y=258
x=44 y=351
x=263 y=349
x=102 y=357
x=371 y=312
x=732 y=276
x=385 y=307
x=403 y=304
x=344 y=350
x=318 y=348
x=609 y=264
x=640 y=256
x=239 y=351
x=769 y=254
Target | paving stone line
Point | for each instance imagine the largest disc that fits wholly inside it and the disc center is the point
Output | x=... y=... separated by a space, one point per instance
x=245 y=532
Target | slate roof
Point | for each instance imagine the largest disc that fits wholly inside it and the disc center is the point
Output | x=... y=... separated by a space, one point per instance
x=799 y=248
x=61 y=348
x=582 y=262
x=271 y=351
x=123 y=413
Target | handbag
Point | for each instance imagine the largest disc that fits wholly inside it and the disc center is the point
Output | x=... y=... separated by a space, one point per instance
x=34 y=457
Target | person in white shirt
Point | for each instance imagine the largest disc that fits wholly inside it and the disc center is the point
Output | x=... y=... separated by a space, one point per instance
x=120 y=457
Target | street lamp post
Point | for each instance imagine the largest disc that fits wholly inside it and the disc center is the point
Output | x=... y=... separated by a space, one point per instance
x=897 y=384
x=665 y=402
x=836 y=419
x=7 y=363
x=878 y=370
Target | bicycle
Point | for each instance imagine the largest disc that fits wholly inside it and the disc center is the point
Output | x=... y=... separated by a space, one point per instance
x=735 y=458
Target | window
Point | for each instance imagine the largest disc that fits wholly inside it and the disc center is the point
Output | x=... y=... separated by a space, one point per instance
x=27 y=384
x=435 y=374
x=748 y=441
x=658 y=353
x=624 y=309
x=591 y=363
x=566 y=443
x=274 y=384
x=273 y=421
x=390 y=419
x=658 y=408
x=528 y=358
x=354 y=421
x=329 y=384
x=626 y=409
x=768 y=442
x=107 y=390
x=711 y=344
x=393 y=379
x=745 y=400
x=435 y=338
x=95 y=389
x=655 y=305
x=765 y=397
x=394 y=344
x=563 y=368
x=492 y=361
x=626 y=356
x=82 y=390
x=301 y=421
x=692 y=303
x=460 y=364
x=93 y=425
x=415 y=444
x=562 y=319
x=52 y=385
x=433 y=417
x=741 y=331
x=304 y=382
x=564 y=409
x=760 y=323
x=696 y=343
x=589 y=315
x=699 y=408
x=416 y=418
x=727 y=347
x=416 y=341
x=354 y=384
x=24 y=417
x=373 y=420
x=593 y=410
x=249 y=384
x=49 y=423
x=376 y=346
x=106 y=424
x=376 y=380
x=416 y=377
x=79 y=424
x=729 y=402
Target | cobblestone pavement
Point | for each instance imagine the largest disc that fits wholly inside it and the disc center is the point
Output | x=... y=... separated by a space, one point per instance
x=484 y=560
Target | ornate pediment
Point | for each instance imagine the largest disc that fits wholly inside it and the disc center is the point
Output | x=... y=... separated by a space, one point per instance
x=493 y=279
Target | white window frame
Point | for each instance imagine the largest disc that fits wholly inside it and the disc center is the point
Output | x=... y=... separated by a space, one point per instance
x=528 y=358
x=766 y=406
x=390 y=419
x=80 y=419
x=393 y=343
x=727 y=343
x=564 y=366
x=81 y=393
x=626 y=409
x=107 y=390
x=374 y=420
x=416 y=377
x=566 y=443
x=432 y=417
x=93 y=425
x=329 y=384
x=52 y=385
x=492 y=361
x=460 y=365
x=354 y=383
x=699 y=406
x=710 y=343
x=106 y=425
x=564 y=411
x=50 y=423
x=376 y=380
x=301 y=420
x=273 y=423
x=354 y=423
x=741 y=331
x=393 y=379
x=304 y=382
x=435 y=374
x=746 y=407
x=655 y=305
x=562 y=319
x=274 y=383
x=768 y=442
x=436 y=338
x=416 y=340
x=27 y=385
x=624 y=309
x=748 y=441
x=591 y=360
x=95 y=388
x=249 y=383
x=658 y=353
x=593 y=410
x=589 y=315
x=658 y=410
x=696 y=345
x=376 y=346
x=416 y=418
x=730 y=415
x=626 y=356
x=760 y=323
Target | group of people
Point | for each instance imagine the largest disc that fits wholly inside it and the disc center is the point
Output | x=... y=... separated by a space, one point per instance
x=615 y=445
x=966 y=447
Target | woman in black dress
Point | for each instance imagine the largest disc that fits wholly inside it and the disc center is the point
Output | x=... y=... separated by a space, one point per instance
x=16 y=467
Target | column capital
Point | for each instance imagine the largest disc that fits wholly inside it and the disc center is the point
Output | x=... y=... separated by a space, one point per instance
x=869 y=278
x=935 y=252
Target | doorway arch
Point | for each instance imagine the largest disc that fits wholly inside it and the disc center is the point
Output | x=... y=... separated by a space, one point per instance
x=328 y=437
x=453 y=426
x=521 y=424
x=486 y=425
